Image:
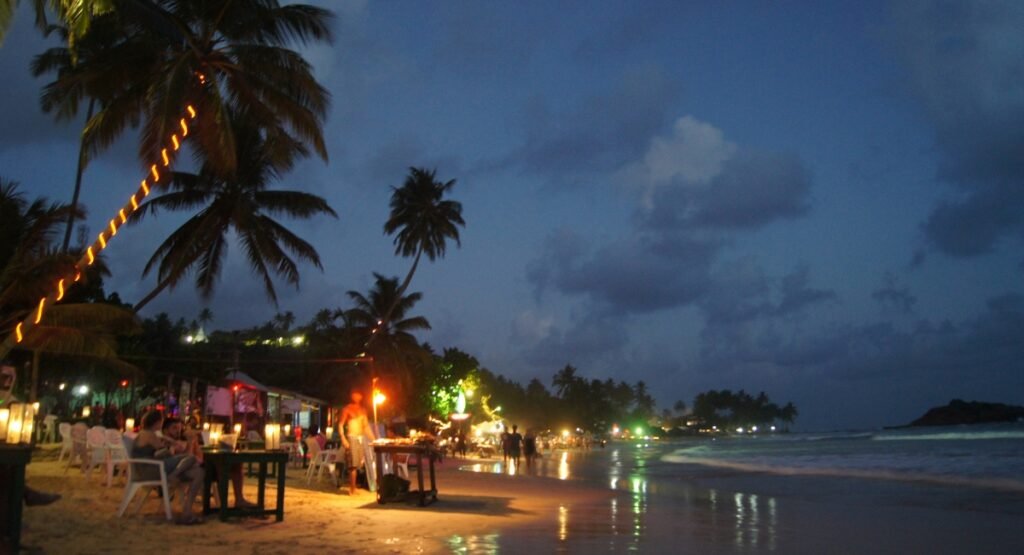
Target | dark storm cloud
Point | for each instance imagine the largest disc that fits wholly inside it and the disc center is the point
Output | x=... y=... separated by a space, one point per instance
x=938 y=358
x=966 y=68
x=699 y=190
x=751 y=191
x=741 y=292
x=589 y=339
x=626 y=277
x=601 y=133
x=891 y=295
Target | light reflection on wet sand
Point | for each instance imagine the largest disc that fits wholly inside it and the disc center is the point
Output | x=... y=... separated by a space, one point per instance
x=648 y=515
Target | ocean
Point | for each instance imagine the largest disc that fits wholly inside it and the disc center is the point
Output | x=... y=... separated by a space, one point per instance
x=921 y=490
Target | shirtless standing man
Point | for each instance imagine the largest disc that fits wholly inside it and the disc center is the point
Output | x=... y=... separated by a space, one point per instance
x=357 y=440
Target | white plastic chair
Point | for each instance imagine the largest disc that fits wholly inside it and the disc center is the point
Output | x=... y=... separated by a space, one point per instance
x=116 y=455
x=96 y=448
x=49 y=429
x=135 y=483
x=65 y=440
x=319 y=459
x=79 y=446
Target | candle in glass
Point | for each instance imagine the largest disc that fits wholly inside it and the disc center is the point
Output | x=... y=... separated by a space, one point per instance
x=5 y=416
x=129 y=424
x=330 y=432
x=28 y=422
x=14 y=423
x=86 y=411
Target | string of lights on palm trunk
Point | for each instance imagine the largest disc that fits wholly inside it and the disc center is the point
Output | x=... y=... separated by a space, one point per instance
x=157 y=172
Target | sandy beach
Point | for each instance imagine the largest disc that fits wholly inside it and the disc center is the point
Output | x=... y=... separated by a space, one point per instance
x=473 y=509
x=640 y=504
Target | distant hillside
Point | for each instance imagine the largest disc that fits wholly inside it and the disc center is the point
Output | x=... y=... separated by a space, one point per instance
x=970 y=412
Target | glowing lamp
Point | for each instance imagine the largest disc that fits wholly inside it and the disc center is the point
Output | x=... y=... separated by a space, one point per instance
x=565 y=433
x=124 y=383
x=378 y=398
x=5 y=417
x=19 y=423
x=86 y=411
x=272 y=435
x=206 y=426
x=237 y=428
x=639 y=431
x=62 y=386
x=329 y=431
x=287 y=429
x=129 y=424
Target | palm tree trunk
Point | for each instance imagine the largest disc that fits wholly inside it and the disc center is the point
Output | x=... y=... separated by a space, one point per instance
x=78 y=181
x=152 y=295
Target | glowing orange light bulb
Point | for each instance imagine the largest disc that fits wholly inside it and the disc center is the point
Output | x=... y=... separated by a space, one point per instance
x=184 y=128
x=103 y=241
x=39 y=311
x=145 y=189
x=17 y=333
x=191 y=111
x=156 y=174
x=121 y=213
x=174 y=141
x=163 y=154
x=78 y=275
x=135 y=204
x=60 y=289
x=113 y=228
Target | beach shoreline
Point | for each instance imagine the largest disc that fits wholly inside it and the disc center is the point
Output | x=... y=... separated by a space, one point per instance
x=481 y=508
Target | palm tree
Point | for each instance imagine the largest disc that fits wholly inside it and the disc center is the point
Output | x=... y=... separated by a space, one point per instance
x=205 y=316
x=239 y=201
x=28 y=267
x=565 y=381
x=76 y=14
x=394 y=348
x=424 y=220
x=218 y=55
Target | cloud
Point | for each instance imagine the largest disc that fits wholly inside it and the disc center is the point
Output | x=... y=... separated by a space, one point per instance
x=891 y=295
x=588 y=340
x=964 y=62
x=751 y=190
x=697 y=191
x=631 y=276
x=600 y=134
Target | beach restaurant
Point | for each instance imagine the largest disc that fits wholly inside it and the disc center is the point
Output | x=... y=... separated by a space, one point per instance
x=241 y=395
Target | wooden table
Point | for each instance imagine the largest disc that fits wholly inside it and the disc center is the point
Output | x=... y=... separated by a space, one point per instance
x=13 y=459
x=221 y=462
x=420 y=451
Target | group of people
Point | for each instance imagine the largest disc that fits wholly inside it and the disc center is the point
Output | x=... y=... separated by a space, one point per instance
x=514 y=445
x=180 y=450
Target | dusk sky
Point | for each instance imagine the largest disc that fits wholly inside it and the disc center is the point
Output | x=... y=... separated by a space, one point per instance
x=824 y=201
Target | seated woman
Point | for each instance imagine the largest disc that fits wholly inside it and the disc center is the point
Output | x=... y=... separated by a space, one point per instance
x=174 y=429
x=179 y=465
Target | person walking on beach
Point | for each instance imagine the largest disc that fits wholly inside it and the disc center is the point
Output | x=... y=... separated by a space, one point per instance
x=529 y=448
x=357 y=440
x=504 y=446
x=515 y=444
